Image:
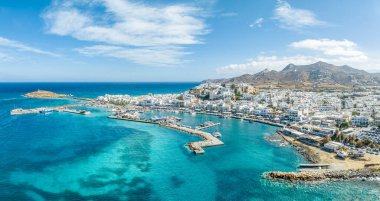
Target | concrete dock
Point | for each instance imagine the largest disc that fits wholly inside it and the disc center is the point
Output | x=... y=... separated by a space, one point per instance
x=197 y=147
x=82 y=112
x=314 y=166
x=208 y=126
x=20 y=111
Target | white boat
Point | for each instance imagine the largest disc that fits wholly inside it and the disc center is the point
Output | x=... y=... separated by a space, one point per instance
x=177 y=118
x=193 y=113
x=217 y=134
x=47 y=111
x=155 y=118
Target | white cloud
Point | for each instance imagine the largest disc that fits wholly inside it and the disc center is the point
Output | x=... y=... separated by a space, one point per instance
x=338 y=52
x=263 y=62
x=11 y=44
x=257 y=23
x=294 y=18
x=328 y=47
x=5 y=57
x=129 y=24
x=156 y=55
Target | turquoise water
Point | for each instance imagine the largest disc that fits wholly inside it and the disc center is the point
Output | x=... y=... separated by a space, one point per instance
x=72 y=157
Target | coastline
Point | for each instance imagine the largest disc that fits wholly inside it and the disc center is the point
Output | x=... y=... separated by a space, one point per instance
x=323 y=175
x=197 y=147
x=302 y=148
x=351 y=168
x=331 y=158
x=347 y=169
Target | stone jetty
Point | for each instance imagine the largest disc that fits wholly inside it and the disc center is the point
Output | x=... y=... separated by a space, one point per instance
x=21 y=111
x=321 y=175
x=197 y=147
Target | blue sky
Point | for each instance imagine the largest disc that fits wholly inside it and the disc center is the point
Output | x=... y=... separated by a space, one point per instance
x=162 y=40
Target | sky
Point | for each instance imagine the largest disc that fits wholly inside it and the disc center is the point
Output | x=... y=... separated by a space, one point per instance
x=180 y=41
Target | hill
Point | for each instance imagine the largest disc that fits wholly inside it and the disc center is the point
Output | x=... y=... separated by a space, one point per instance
x=316 y=73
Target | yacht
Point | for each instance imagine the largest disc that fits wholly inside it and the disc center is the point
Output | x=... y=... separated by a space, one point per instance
x=46 y=111
x=217 y=134
x=155 y=118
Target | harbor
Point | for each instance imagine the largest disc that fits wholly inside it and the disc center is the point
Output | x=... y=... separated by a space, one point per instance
x=169 y=122
x=207 y=124
x=141 y=111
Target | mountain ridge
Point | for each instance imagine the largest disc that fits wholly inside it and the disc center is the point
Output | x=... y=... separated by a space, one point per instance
x=319 y=72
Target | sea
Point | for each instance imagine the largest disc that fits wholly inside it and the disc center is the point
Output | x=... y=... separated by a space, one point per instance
x=62 y=156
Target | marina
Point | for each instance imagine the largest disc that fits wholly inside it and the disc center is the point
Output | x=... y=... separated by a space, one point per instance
x=197 y=147
x=207 y=124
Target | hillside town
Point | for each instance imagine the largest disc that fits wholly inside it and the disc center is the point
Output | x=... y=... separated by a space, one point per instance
x=330 y=120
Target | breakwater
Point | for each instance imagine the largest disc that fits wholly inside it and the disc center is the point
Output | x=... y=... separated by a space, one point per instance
x=197 y=147
x=320 y=175
x=20 y=111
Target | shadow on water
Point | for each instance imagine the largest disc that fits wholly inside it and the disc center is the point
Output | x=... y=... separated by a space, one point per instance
x=115 y=181
x=139 y=189
x=176 y=181
x=35 y=159
x=239 y=182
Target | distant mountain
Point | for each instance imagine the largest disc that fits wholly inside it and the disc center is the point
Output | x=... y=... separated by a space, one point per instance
x=319 y=72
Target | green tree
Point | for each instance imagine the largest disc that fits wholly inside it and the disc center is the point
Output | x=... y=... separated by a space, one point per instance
x=344 y=125
x=180 y=97
x=326 y=140
x=355 y=113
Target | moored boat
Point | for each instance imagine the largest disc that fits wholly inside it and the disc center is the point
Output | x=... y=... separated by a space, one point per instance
x=217 y=134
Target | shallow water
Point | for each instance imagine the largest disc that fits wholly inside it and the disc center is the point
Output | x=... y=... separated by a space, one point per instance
x=73 y=157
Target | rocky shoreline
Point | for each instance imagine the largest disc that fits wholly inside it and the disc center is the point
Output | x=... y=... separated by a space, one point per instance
x=369 y=170
x=321 y=175
x=303 y=150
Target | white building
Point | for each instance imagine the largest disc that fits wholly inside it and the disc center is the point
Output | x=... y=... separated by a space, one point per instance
x=360 y=121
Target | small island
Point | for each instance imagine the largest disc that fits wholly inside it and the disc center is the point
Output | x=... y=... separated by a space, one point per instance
x=45 y=94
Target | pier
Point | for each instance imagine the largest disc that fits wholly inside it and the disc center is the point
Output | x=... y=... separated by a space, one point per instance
x=314 y=166
x=20 y=111
x=82 y=112
x=207 y=125
x=197 y=147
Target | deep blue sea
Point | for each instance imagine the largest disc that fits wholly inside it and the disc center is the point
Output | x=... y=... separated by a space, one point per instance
x=63 y=156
